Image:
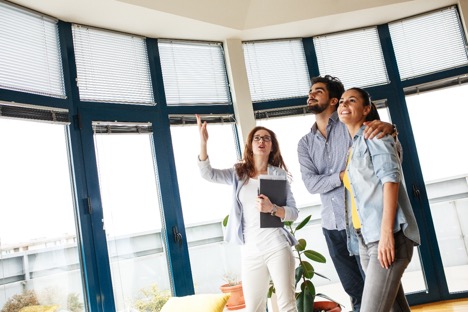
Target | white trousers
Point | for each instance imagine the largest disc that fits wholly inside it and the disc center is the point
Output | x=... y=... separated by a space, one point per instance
x=258 y=269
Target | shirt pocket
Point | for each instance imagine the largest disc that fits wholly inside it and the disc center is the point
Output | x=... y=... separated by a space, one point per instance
x=361 y=158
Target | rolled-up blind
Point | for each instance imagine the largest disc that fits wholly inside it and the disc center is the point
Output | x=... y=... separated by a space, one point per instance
x=355 y=57
x=30 y=59
x=276 y=69
x=111 y=67
x=429 y=43
x=194 y=73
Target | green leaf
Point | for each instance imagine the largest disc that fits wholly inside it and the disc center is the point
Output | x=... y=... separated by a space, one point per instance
x=301 y=244
x=300 y=302
x=315 y=256
x=305 y=299
x=225 y=220
x=288 y=223
x=303 y=223
x=299 y=271
x=310 y=290
x=271 y=290
x=308 y=269
x=323 y=276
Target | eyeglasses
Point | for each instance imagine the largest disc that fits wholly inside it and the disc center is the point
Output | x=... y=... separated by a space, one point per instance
x=265 y=138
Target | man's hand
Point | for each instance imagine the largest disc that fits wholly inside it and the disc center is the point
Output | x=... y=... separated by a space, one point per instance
x=377 y=128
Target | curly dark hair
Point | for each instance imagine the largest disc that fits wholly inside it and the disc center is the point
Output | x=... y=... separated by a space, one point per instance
x=245 y=168
x=334 y=85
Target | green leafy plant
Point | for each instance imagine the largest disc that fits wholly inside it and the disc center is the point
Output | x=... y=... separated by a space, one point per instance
x=50 y=296
x=151 y=299
x=305 y=296
x=74 y=303
x=56 y=296
x=305 y=293
x=18 y=301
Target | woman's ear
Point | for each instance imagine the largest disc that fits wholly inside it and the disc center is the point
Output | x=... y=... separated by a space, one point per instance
x=367 y=109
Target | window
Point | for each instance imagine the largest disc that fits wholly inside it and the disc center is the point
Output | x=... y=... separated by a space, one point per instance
x=355 y=57
x=30 y=52
x=111 y=67
x=429 y=43
x=276 y=69
x=206 y=204
x=446 y=182
x=39 y=256
x=193 y=73
x=131 y=208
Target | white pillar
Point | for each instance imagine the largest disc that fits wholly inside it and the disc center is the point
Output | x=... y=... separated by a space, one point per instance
x=240 y=90
x=463 y=9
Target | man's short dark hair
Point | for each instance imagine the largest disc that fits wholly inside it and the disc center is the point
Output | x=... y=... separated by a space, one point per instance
x=334 y=86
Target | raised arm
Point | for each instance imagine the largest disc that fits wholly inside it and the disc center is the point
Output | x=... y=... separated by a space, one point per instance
x=203 y=138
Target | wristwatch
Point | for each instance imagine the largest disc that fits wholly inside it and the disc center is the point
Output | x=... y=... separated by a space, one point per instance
x=395 y=131
x=274 y=210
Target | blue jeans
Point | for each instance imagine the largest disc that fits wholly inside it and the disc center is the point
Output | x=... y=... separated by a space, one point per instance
x=382 y=290
x=348 y=267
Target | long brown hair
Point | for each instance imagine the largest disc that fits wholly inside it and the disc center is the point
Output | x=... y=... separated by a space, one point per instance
x=246 y=168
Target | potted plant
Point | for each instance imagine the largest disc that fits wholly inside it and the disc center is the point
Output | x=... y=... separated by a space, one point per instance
x=305 y=294
x=233 y=286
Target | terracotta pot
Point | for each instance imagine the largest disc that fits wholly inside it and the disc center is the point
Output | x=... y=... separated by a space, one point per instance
x=328 y=306
x=236 y=300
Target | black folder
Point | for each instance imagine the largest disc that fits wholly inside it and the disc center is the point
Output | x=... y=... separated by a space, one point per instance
x=275 y=188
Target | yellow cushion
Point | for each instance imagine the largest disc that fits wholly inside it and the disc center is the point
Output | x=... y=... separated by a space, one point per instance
x=197 y=303
x=39 y=308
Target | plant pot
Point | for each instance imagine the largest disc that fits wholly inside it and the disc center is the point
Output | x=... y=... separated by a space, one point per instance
x=236 y=300
x=328 y=306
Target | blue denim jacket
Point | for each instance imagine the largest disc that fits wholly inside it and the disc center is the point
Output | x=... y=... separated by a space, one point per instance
x=374 y=163
x=234 y=229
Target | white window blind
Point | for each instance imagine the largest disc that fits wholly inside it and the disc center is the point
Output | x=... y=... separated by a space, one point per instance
x=30 y=58
x=111 y=67
x=276 y=69
x=193 y=73
x=428 y=43
x=355 y=57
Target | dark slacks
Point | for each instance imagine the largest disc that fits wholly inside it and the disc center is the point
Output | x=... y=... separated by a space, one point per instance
x=348 y=267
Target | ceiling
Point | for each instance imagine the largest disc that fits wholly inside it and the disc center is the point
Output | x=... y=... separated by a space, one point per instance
x=218 y=20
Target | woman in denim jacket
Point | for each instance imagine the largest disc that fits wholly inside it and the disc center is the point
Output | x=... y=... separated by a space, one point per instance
x=379 y=212
x=266 y=252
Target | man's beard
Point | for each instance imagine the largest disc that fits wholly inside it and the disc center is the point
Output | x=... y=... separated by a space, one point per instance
x=317 y=108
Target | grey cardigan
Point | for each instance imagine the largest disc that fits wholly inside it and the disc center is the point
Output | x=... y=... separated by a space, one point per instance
x=234 y=230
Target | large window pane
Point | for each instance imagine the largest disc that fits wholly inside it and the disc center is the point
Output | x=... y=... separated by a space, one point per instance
x=445 y=172
x=132 y=219
x=205 y=204
x=289 y=130
x=39 y=260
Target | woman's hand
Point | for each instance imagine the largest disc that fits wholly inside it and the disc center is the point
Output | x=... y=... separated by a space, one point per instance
x=264 y=204
x=203 y=138
x=386 y=249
